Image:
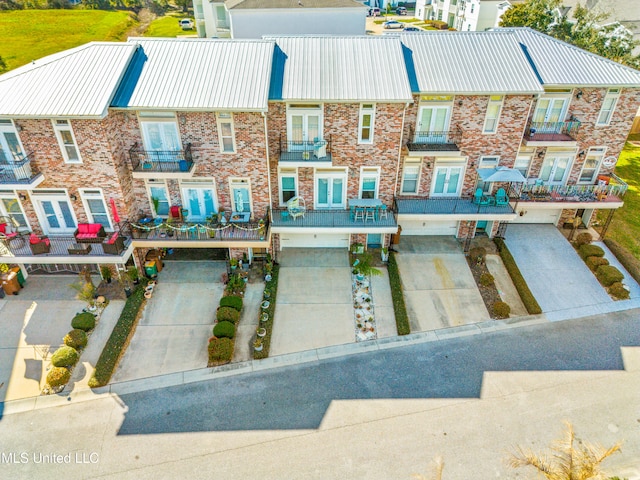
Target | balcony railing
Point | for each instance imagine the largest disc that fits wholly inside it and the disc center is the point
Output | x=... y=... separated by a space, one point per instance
x=18 y=172
x=59 y=246
x=447 y=206
x=535 y=192
x=425 y=141
x=305 y=151
x=329 y=219
x=161 y=161
x=552 y=131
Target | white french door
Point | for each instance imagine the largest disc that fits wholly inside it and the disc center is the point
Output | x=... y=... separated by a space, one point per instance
x=10 y=147
x=447 y=181
x=554 y=170
x=305 y=127
x=56 y=214
x=330 y=190
x=200 y=202
x=433 y=124
x=549 y=114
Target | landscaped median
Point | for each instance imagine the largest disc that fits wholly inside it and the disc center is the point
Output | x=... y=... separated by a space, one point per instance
x=399 y=307
x=267 y=311
x=608 y=276
x=529 y=301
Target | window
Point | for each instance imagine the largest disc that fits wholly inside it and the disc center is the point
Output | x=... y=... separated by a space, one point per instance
x=522 y=163
x=159 y=198
x=304 y=125
x=487 y=162
x=365 y=129
x=10 y=207
x=10 y=147
x=67 y=141
x=608 y=106
x=225 y=133
x=493 y=114
x=472 y=7
x=410 y=176
x=96 y=208
x=447 y=179
x=288 y=184
x=439 y=14
x=591 y=165
x=240 y=195
x=369 y=178
x=160 y=133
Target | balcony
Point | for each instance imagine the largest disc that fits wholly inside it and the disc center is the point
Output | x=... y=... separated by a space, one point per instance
x=333 y=219
x=20 y=174
x=432 y=141
x=606 y=196
x=150 y=163
x=552 y=133
x=305 y=153
x=460 y=206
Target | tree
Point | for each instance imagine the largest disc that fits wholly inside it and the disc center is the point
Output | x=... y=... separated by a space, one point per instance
x=3 y=65
x=568 y=461
x=541 y=15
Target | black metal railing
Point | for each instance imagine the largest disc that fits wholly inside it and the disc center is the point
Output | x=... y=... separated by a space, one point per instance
x=449 y=206
x=318 y=150
x=168 y=161
x=18 y=172
x=434 y=140
x=331 y=218
x=59 y=246
x=553 y=131
x=537 y=191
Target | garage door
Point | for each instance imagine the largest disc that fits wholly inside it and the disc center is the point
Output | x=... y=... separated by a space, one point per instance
x=314 y=240
x=538 y=216
x=421 y=227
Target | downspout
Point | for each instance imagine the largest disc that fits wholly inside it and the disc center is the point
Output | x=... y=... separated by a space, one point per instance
x=520 y=145
x=404 y=113
x=268 y=163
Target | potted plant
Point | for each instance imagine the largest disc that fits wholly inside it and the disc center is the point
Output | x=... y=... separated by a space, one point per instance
x=384 y=254
x=105 y=271
x=87 y=293
x=363 y=267
x=261 y=332
x=357 y=248
x=257 y=345
x=234 y=264
x=134 y=275
x=245 y=261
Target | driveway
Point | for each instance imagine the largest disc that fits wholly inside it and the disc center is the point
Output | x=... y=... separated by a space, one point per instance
x=555 y=273
x=439 y=289
x=172 y=334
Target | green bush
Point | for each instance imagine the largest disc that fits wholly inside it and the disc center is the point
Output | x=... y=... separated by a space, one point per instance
x=232 y=301
x=608 y=275
x=65 y=357
x=526 y=296
x=84 y=321
x=76 y=338
x=397 y=295
x=486 y=280
x=224 y=330
x=584 y=238
x=220 y=351
x=630 y=263
x=501 y=310
x=119 y=338
x=227 y=314
x=58 y=376
x=594 y=262
x=587 y=251
x=478 y=254
x=618 y=291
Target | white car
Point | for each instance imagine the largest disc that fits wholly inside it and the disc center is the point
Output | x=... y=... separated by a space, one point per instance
x=186 y=24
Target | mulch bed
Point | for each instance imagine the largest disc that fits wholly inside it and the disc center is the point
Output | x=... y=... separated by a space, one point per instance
x=112 y=291
x=489 y=294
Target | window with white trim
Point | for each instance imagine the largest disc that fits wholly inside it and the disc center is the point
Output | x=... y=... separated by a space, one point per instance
x=493 y=114
x=10 y=207
x=522 y=163
x=487 y=162
x=158 y=197
x=608 y=106
x=160 y=132
x=10 y=147
x=96 y=207
x=591 y=165
x=288 y=181
x=369 y=180
x=225 y=132
x=410 y=177
x=67 y=141
x=365 y=127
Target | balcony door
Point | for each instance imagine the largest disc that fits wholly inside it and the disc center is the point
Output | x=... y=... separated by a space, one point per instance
x=330 y=189
x=200 y=203
x=304 y=127
x=555 y=169
x=56 y=214
x=10 y=148
x=549 y=115
x=433 y=123
x=447 y=180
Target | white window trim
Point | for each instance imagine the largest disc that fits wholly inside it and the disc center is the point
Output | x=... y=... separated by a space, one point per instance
x=4 y=212
x=333 y=173
x=486 y=157
x=299 y=108
x=448 y=164
x=366 y=111
x=57 y=128
x=602 y=151
x=616 y=95
x=240 y=181
x=5 y=127
x=220 y=119
x=282 y=172
x=500 y=104
x=162 y=184
x=150 y=117
x=50 y=194
x=202 y=184
x=85 y=196
x=369 y=172
x=412 y=164
x=530 y=156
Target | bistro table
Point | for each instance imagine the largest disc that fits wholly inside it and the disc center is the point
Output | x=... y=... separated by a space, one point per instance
x=366 y=203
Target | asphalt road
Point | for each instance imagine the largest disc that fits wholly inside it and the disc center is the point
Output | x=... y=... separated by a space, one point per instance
x=382 y=414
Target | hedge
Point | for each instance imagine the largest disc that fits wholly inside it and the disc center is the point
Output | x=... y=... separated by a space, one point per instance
x=65 y=357
x=618 y=291
x=587 y=251
x=118 y=340
x=232 y=301
x=227 y=314
x=224 y=330
x=220 y=351
x=594 y=262
x=518 y=280
x=397 y=295
x=584 y=238
x=607 y=275
x=58 y=376
x=630 y=263
x=501 y=310
x=76 y=338
x=84 y=321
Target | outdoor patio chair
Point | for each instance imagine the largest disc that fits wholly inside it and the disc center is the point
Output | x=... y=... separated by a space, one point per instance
x=501 y=198
x=319 y=148
x=383 y=213
x=39 y=244
x=480 y=198
x=359 y=215
x=296 y=207
x=370 y=214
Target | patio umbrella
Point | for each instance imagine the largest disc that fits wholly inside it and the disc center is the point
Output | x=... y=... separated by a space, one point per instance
x=501 y=174
x=114 y=210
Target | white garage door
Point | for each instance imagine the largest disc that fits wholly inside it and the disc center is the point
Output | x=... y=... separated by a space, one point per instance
x=421 y=227
x=538 y=216
x=314 y=240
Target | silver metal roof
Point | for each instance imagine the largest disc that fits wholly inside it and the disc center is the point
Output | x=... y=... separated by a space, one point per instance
x=468 y=63
x=332 y=68
x=197 y=74
x=79 y=82
x=560 y=64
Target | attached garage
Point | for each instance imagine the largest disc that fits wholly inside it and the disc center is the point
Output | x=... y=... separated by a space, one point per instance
x=429 y=227
x=314 y=240
x=547 y=215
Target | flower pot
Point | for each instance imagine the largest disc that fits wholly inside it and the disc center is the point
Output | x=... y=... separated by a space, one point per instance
x=359 y=277
x=258 y=348
x=148 y=294
x=267 y=277
x=264 y=317
x=265 y=304
x=261 y=332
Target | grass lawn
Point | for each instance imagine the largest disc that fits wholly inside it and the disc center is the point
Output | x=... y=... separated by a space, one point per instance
x=167 y=26
x=625 y=226
x=27 y=35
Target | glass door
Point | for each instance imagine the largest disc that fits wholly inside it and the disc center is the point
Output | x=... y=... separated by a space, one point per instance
x=447 y=181
x=199 y=202
x=549 y=115
x=433 y=123
x=330 y=191
x=304 y=129
x=57 y=215
x=241 y=198
x=554 y=170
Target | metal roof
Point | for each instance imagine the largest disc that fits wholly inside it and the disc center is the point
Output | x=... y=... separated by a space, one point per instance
x=75 y=83
x=297 y=4
x=468 y=63
x=559 y=64
x=333 y=68
x=197 y=74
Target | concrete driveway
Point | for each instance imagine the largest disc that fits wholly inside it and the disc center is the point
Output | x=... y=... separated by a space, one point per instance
x=176 y=323
x=556 y=275
x=439 y=289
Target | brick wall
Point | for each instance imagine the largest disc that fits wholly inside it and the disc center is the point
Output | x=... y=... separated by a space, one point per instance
x=466 y=228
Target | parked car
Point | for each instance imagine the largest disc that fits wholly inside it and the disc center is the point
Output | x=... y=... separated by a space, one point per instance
x=401 y=11
x=412 y=29
x=186 y=24
x=393 y=24
x=373 y=12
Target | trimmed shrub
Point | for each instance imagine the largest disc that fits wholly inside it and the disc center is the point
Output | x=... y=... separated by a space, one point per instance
x=486 y=280
x=220 y=351
x=227 y=314
x=594 y=262
x=224 y=330
x=397 y=295
x=65 y=357
x=501 y=310
x=76 y=338
x=587 y=251
x=478 y=254
x=584 y=238
x=526 y=296
x=58 y=376
x=608 y=275
x=618 y=291
x=232 y=301
x=84 y=321
x=630 y=263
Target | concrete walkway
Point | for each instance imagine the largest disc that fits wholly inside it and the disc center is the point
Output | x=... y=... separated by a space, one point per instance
x=505 y=286
x=383 y=305
x=246 y=328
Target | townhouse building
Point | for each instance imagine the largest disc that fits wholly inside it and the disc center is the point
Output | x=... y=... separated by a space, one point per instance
x=463 y=15
x=253 y=146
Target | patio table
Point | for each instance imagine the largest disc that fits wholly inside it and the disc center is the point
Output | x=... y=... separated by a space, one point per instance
x=366 y=203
